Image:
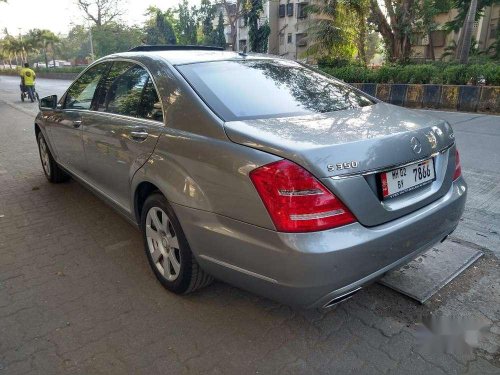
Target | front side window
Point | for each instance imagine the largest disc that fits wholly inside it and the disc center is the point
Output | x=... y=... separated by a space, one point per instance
x=81 y=92
x=285 y=88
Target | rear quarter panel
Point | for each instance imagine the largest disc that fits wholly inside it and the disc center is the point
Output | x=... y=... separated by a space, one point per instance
x=194 y=163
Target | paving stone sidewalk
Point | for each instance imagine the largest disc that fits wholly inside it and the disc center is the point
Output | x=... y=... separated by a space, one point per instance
x=77 y=297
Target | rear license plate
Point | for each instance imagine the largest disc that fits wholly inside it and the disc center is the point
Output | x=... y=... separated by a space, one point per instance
x=401 y=180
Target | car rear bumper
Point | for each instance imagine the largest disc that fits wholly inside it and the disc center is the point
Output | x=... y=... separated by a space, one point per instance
x=312 y=269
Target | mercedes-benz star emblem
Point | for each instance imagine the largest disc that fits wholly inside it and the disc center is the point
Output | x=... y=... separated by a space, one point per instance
x=416 y=146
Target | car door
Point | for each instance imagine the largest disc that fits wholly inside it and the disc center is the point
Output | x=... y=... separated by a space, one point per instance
x=123 y=131
x=66 y=124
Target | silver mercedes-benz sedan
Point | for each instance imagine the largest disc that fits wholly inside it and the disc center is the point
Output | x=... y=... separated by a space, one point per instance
x=255 y=170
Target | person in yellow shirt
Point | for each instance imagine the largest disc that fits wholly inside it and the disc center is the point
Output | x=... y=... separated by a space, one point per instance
x=28 y=80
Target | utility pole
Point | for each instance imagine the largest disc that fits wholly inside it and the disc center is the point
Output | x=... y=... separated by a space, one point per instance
x=92 y=57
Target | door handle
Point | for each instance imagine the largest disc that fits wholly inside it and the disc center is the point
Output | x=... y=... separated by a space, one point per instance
x=77 y=123
x=139 y=135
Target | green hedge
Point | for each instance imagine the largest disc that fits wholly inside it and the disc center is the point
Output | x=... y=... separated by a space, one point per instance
x=439 y=73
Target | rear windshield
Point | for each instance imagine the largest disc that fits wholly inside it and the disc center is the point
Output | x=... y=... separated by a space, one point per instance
x=249 y=89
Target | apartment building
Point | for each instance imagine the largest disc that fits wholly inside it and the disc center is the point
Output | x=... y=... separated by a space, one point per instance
x=485 y=32
x=288 y=21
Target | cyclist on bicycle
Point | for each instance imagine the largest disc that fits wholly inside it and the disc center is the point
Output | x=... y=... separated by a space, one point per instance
x=28 y=80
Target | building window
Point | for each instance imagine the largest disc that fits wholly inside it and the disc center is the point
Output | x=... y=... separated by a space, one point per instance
x=301 y=10
x=438 y=38
x=282 y=10
x=289 y=38
x=301 y=40
x=289 y=9
x=282 y=39
x=493 y=29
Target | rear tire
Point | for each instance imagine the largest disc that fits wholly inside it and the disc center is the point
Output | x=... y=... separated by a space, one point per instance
x=51 y=169
x=167 y=249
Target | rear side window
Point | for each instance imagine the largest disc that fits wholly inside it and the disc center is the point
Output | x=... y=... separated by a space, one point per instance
x=129 y=90
x=150 y=106
x=249 y=89
x=82 y=91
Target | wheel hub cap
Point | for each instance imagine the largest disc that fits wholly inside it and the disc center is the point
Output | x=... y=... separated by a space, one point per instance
x=163 y=243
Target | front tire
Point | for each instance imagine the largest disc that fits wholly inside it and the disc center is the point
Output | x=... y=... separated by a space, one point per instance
x=167 y=249
x=51 y=169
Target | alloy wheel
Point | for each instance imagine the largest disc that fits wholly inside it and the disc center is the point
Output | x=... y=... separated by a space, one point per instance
x=163 y=243
x=44 y=156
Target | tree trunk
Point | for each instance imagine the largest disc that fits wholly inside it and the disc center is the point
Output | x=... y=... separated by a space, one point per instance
x=46 y=58
x=465 y=40
x=431 y=46
x=362 y=37
x=234 y=35
x=384 y=28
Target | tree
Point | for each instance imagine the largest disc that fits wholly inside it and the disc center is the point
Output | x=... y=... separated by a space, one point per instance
x=463 y=7
x=359 y=9
x=43 y=40
x=234 y=11
x=332 y=34
x=258 y=35
x=206 y=14
x=100 y=12
x=115 y=37
x=186 y=28
x=76 y=45
x=219 y=38
x=160 y=30
x=396 y=29
x=5 y=52
x=427 y=11
x=372 y=45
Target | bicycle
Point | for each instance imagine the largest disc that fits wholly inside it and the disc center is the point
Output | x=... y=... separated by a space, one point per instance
x=25 y=94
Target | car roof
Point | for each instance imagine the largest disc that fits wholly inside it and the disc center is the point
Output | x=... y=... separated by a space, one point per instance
x=193 y=56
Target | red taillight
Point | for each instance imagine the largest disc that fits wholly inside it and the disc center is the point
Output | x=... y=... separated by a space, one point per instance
x=458 y=167
x=296 y=200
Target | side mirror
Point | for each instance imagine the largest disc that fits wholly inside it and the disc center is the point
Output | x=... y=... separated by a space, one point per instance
x=49 y=102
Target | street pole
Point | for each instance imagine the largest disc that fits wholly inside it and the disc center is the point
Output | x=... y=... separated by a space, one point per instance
x=91 y=45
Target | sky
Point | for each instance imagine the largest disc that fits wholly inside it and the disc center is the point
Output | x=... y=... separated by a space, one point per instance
x=58 y=15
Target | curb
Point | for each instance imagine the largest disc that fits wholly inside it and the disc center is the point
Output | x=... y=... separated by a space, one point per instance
x=460 y=98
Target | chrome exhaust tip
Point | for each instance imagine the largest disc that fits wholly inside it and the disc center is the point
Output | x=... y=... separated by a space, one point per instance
x=340 y=299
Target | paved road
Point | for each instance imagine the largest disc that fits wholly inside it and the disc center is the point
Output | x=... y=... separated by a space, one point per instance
x=77 y=296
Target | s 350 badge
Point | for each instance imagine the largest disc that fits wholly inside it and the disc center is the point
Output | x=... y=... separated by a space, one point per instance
x=341 y=166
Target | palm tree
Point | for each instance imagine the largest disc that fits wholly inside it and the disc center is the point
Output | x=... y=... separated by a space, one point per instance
x=13 y=47
x=34 y=41
x=339 y=28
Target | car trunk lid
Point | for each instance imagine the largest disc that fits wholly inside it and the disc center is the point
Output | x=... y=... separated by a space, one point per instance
x=345 y=149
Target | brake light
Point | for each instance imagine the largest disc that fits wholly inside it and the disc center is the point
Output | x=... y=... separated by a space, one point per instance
x=458 y=166
x=296 y=200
